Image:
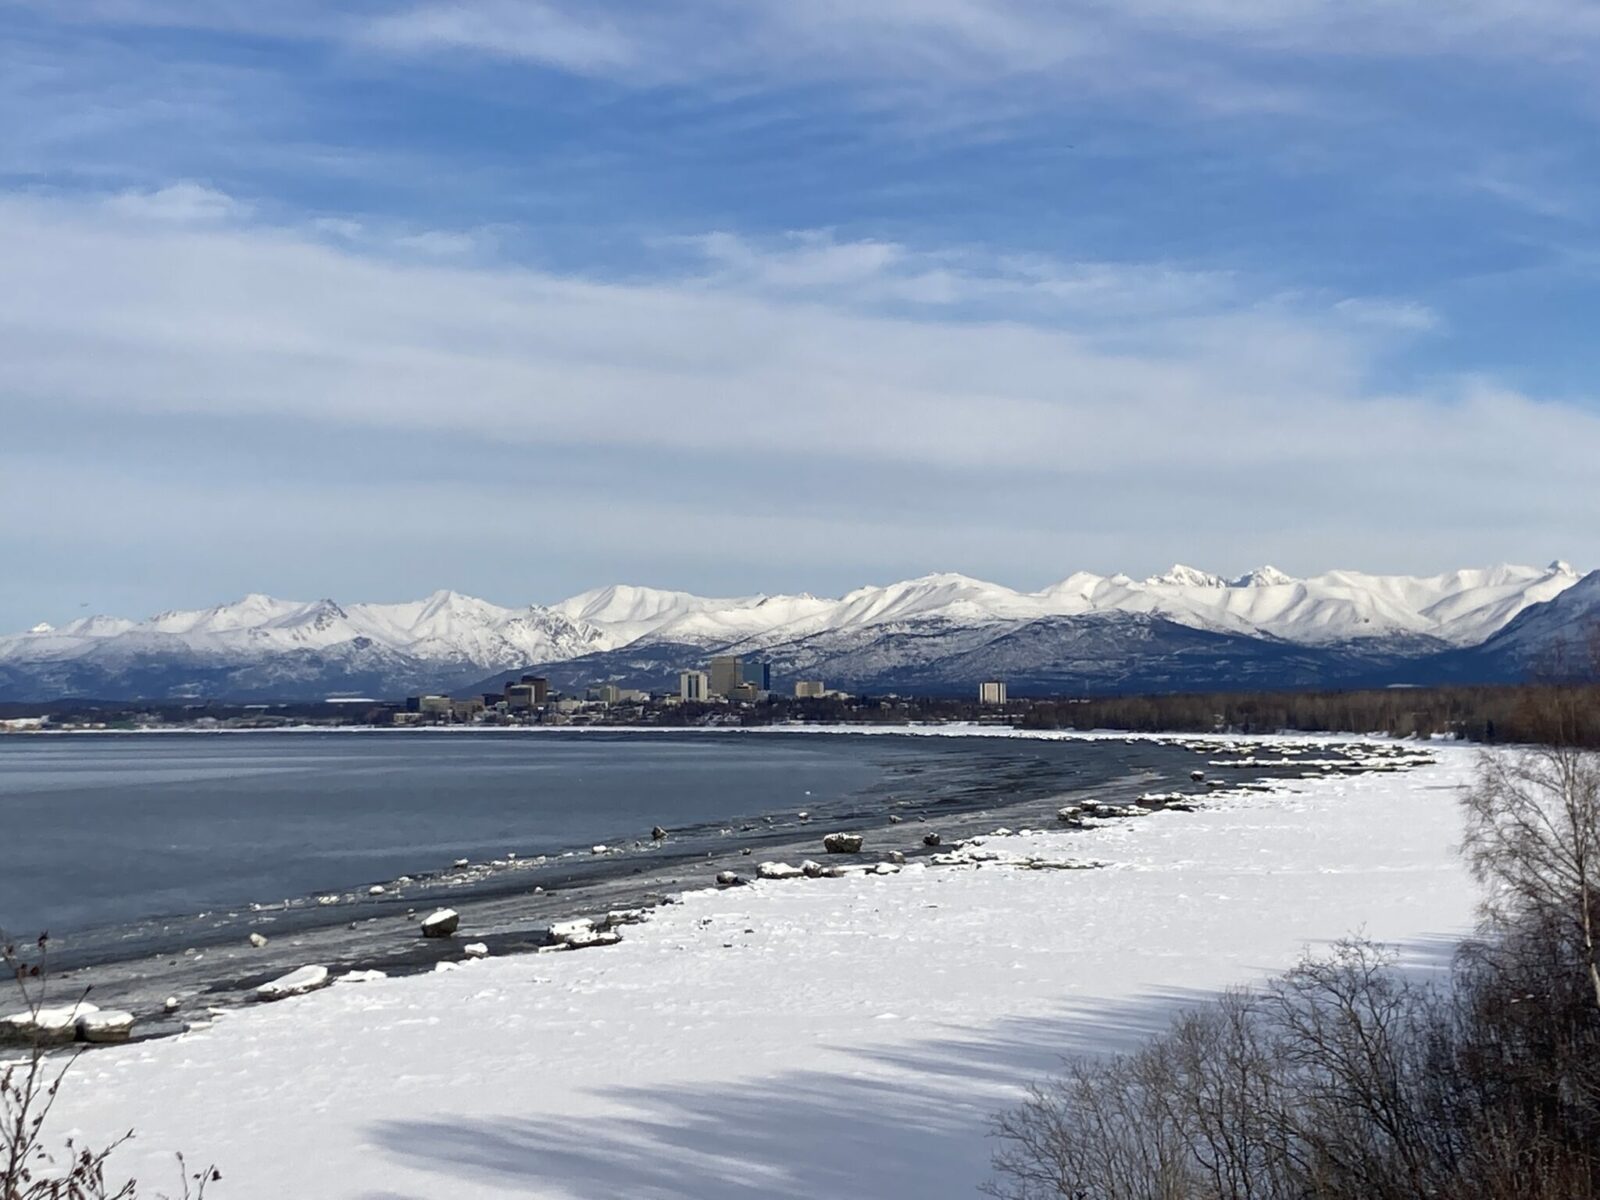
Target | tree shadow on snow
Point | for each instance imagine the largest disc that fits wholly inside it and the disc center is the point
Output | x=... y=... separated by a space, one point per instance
x=903 y=1120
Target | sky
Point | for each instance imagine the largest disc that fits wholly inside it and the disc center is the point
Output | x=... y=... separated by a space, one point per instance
x=364 y=300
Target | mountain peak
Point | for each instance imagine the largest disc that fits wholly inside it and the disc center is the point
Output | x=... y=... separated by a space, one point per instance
x=1179 y=575
x=1561 y=567
x=1267 y=576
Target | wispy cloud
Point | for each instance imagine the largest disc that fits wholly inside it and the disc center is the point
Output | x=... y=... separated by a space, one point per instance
x=174 y=317
x=186 y=201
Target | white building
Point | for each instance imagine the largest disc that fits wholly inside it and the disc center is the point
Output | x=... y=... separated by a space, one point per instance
x=694 y=685
x=810 y=689
x=992 y=691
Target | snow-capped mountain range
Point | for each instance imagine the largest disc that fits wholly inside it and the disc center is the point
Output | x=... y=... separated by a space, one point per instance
x=932 y=630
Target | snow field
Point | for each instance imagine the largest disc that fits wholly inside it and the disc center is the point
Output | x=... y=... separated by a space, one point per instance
x=804 y=1038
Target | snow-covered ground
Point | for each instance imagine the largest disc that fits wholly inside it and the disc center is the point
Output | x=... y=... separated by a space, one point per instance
x=805 y=1038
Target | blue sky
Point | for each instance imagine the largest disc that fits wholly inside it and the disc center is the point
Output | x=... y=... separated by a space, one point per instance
x=520 y=298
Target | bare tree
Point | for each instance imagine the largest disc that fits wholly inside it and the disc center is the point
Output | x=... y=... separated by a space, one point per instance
x=1533 y=837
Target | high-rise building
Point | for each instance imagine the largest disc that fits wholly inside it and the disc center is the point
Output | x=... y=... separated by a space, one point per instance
x=726 y=674
x=532 y=692
x=810 y=689
x=757 y=674
x=694 y=685
x=992 y=691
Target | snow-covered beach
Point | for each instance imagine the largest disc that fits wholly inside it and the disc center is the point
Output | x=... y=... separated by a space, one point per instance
x=804 y=1038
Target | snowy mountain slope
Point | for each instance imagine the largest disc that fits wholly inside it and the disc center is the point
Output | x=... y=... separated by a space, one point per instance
x=900 y=630
x=1556 y=639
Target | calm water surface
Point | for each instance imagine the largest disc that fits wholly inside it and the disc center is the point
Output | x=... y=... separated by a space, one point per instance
x=103 y=831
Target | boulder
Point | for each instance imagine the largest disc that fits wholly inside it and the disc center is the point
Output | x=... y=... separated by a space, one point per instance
x=295 y=983
x=461 y=862
x=931 y=839
x=257 y=940
x=475 y=950
x=884 y=868
x=728 y=879
x=103 y=1027
x=896 y=857
x=1197 y=776
x=842 y=843
x=894 y=820
x=171 y=1004
x=811 y=870
x=375 y=890
x=778 y=870
x=657 y=832
x=563 y=931
x=441 y=924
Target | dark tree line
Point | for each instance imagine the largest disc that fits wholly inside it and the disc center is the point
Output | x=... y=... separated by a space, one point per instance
x=1509 y=713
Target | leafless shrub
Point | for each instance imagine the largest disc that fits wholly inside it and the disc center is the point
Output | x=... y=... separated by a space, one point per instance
x=29 y=1087
x=1347 y=1080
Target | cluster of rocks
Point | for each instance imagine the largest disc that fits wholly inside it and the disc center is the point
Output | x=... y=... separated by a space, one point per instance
x=584 y=932
x=311 y=978
x=83 y=1022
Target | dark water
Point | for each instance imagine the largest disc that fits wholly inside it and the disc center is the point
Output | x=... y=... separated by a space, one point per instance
x=98 y=832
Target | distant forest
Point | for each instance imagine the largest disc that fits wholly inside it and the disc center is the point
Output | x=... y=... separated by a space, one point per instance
x=1511 y=713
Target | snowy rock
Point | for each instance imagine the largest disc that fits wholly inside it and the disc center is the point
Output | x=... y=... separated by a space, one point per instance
x=441 y=924
x=931 y=839
x=896 y=856
x=894 y=820
x=842 y=843
x=1197 y=776
x=579 y=934
x=375 y=890
x=361 y=977
x=728 y=879
x=657 y=832
x=103 y=1027
x=475 y=950
x=600 y=849
x=257 y=940
x=461 y=862
x=884 y=868
x=48 y=1024
x=811 y=869
x=171 y=1004
x=778 y=870
x=295 y=983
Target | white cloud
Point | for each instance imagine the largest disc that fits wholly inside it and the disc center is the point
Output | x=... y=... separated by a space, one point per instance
x=1238 y=426
x=1162 y=45
x=1404 y=315
x=183 y=202
x=526 y=29
x=868 y=272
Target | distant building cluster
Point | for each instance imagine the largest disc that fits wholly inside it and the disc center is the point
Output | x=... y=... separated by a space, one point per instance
x=727 y=679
